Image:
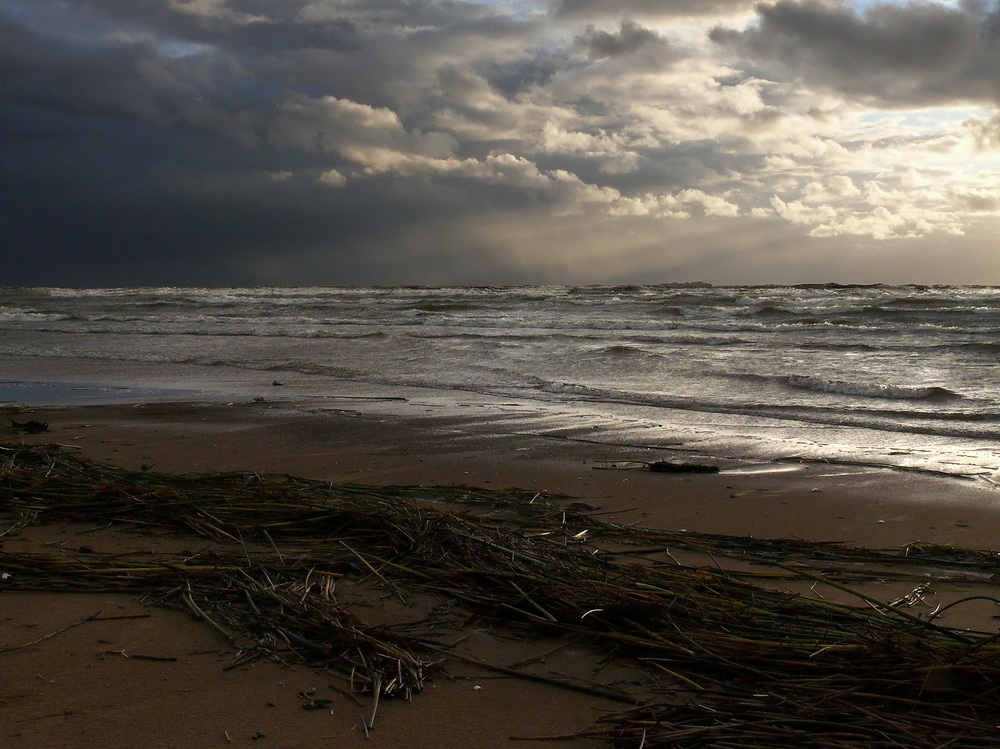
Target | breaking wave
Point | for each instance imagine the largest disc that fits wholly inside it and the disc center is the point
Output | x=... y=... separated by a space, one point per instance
x=864 y=390
x=773 y=360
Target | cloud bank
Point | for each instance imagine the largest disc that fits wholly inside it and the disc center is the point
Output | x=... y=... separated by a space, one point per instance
x=451 y=141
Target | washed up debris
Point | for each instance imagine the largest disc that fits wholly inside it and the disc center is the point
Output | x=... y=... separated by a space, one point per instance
x=28 y=427
x=731 y=663
x=657 y=466
x=665 y=466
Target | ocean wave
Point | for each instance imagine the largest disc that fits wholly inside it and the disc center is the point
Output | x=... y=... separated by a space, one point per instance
x=705 y=298
x=832 y=286
x=622 y=351
x=696 y=340
x=501 y=335
x=20 y=315
x=450 y=306
x=919 y=302
x=851 y=346
x=603 y=291
x=769 y=310
x=958 y=425
x=585 y=391
x=865 y=390
x=671 y=310
x=983 y=347
x=881 y=312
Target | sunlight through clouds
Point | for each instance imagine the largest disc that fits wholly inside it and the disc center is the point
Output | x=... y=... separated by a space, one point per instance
x=815 y=118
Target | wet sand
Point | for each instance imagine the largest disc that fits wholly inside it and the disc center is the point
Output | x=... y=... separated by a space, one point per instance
x=82 y=687
x=820 y=502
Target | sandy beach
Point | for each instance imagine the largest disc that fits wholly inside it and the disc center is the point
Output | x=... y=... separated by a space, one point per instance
x=502 y=374
x=85 y=670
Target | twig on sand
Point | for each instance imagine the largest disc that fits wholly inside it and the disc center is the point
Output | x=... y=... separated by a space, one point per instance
x=86 y=619
x=196 y=610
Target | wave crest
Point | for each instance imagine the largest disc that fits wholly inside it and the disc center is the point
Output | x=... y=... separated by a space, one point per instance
x=864 y=390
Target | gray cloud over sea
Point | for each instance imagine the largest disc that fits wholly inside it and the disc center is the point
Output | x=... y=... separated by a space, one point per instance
x=442 y=141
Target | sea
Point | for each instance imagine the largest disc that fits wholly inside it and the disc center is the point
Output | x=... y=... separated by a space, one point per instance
x=904 y=377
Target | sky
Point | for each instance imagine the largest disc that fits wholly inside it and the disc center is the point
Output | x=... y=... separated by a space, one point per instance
x=291 y=142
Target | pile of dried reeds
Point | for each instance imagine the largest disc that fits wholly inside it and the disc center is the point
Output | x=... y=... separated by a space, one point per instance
x=737 y=664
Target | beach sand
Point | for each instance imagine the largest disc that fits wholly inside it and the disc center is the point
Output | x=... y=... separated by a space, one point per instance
x=96 y=681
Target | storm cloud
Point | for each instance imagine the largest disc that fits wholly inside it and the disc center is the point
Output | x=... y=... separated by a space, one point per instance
x=912 y=54
x=442 y=141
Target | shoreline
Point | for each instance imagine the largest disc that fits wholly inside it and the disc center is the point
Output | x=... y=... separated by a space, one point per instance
x=707 y=433
x=129 y=701
x=811 y=500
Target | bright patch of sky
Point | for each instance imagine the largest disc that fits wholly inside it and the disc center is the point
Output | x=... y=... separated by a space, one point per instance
x=176 y=48
x=863 y=5
x=517 y=8
x=923 y=120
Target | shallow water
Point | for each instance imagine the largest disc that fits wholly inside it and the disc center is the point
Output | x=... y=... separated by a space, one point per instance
x=898 y=375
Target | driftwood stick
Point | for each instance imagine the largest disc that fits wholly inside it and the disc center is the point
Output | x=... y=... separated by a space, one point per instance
x=68 y=627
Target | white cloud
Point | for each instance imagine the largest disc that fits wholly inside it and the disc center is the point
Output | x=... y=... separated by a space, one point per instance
x=881 y=223
x=836 y=187
x=713 y=205
x=799 y=213
x=332 y=178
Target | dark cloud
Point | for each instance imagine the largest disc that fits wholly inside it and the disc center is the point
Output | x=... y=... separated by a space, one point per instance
x=911 y=54
x=515 y=76
x=205 y=214
x=630 y=38
x=298 y=141
x=274 y=25
x=123 y=165
x=64 y=76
